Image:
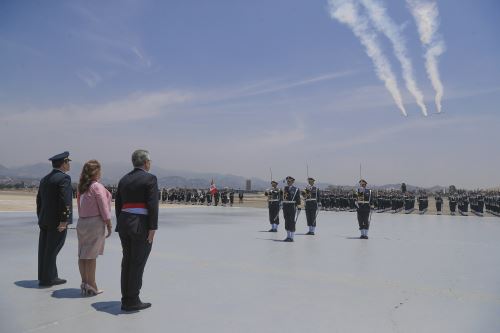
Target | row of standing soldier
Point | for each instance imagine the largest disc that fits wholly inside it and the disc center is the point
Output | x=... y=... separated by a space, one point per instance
x=289 y=198
x=193 y=196
x=200 y=197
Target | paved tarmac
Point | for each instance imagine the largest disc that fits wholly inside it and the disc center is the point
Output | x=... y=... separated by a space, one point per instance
x=215 y=269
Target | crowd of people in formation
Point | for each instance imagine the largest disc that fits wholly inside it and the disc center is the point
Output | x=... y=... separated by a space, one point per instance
x=224 y=197
x=178 y=195
x=462 y=202
x=492 y=203
x=477 y=202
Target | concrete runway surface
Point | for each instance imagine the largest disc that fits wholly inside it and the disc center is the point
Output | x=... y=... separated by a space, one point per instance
x=215 y=269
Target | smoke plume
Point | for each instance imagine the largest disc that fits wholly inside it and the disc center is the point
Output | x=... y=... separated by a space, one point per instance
x=426 y=16
x=384 y=24
x=347 y=12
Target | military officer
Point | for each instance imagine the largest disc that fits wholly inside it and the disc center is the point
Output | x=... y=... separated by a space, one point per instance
x=452 y=202
x=274 y=197
x=363 y=201
x=439 y=203
x=54 y=208
x=291 y=201
x=311 y=196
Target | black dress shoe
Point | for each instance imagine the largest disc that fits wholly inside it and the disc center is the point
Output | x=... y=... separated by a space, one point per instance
x=310 y=233
x=136 y=307
x=54 y=282
x=57 y=281
x=272 y=230
x=288 y=239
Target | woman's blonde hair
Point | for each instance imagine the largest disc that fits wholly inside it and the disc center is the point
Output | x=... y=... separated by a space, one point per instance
x=90 y=170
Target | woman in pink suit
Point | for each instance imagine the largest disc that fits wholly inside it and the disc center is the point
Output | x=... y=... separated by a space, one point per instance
x=94 y=210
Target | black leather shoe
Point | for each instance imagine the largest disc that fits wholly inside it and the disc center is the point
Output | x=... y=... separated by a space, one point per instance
x=288 y=239
x=136 y=307
x=310 y=233
x=54 y=282
x=272 y=230
x=57 y=281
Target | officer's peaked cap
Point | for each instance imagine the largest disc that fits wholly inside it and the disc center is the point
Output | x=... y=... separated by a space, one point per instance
x=60 y=156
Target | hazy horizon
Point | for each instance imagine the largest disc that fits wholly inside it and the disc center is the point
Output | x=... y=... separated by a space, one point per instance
x=241 y=87
x=278 y=177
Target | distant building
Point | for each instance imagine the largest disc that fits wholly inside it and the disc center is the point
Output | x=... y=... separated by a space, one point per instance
x=248 y=186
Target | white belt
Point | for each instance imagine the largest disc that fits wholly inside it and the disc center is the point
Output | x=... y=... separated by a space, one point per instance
x=288 y=201
x=363 y=202
x=273 y=200
x=310 y=199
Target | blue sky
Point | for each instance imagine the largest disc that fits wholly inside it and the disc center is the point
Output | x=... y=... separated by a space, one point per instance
x=241 y=86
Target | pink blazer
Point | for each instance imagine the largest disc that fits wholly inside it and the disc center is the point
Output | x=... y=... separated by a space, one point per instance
x=94 y=202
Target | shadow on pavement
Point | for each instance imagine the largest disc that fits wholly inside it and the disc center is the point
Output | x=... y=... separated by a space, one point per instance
x=67 y=293
x=111 y=307
x=31 y=284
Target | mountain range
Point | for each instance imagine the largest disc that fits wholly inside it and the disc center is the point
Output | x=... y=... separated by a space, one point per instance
x=112 y=172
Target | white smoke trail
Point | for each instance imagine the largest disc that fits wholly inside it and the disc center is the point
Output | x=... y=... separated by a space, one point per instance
x=346 y=12
x=426 y=16
x=383 y=22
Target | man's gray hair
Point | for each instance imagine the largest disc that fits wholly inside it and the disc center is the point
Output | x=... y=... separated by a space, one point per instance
x=139 y=158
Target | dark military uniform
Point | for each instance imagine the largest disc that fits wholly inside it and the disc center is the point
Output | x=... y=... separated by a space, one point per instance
x=136 y=211
x=439 y=204
x=311 y=197
x=54 y=205
x=274 y=198
x=291 y=199
x=364 y=197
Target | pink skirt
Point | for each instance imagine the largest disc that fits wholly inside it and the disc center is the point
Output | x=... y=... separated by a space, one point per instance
x=91 y=235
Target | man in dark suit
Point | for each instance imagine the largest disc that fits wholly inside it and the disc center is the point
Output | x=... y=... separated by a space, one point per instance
x=54 y=207
x=136 y=208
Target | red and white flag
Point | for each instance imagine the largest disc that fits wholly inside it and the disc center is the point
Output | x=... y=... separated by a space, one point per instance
x=213 y=188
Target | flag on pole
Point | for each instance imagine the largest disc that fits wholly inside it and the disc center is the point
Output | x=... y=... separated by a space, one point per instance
x=213 y=188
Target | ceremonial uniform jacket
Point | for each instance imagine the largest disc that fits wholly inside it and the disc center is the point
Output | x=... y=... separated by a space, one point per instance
x=291 y=194
x=274 y=195
x=364 y=197
x=138 y=187
x=54 y=201
x=312 y=193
